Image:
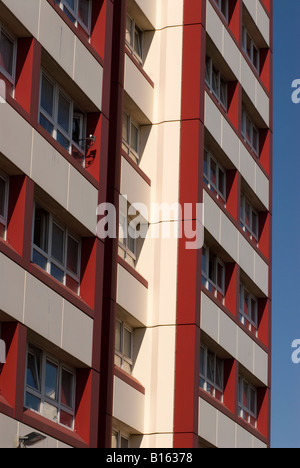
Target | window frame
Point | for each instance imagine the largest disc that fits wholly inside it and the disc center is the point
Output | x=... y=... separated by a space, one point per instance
x=4 y=219
x=244 y=411
x=119 y=436
x=41 y=394
x=205 y=274
x=131 y=44
x=253 y=128
x=11 y=78
x=75 y=14
x=253 y=235
x=53 y=119
x=253 y=46
x=127 y=145
x=121 y=353
x=48 y=255
x=209 y=80
x=243 y=316
x=218 y=4
x=207 y=384
x=219 y=168
x=125 y=223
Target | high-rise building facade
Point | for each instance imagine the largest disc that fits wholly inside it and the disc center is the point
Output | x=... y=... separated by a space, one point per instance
x=118 y=120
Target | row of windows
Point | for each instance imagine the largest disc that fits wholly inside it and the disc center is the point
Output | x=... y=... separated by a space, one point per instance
x=212 y=381
x=215 y=178
x=213 y=279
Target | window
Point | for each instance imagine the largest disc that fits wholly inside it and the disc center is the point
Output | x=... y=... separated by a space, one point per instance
x=214 y=175
x=213 y=272
x=250 y=48
x=78 y=11
x=215 y=82
x=4 y=187
x=123 y=346
x=130 y=137
x=8 y=52
x=120 y=440
x=249 y=218
x=134 y=39
x=211 y=373
x=127 y=236
x=250 y=132
x=60 y=116
x=223 y=7
x=247 y=401
x=50 y=387
x=55 y=249
x=248 y=310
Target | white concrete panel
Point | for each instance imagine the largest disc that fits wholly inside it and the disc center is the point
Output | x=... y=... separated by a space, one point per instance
x=149 y=8
x=245 y=350
x=243 y=438
x=48 y=166
x=170 y=13
x=248 y=80
x=226 y=432
x=261 y=364
x=227 y=334
x=8 y=432
x=214 y=26
x=128 y=405
x=229 y=236
x=82 y=200
x=213 y=119
x=232 y=54
x=133 y=186
x=212 y=216
x=12 y=280
x=262 y=103
x=208 y=422
x=56 y=37
x=262 y=188
x=91 y=83
x=43 y=310
x=132 y=295
x=29 y=12
x=261 y=274
x=230 y=143
x=138 y=88
x=17 y=150
x=210 y=317
x=246 y=257
x=77 y=333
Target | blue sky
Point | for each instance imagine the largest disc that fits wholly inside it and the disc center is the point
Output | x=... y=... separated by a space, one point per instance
x=286 y=227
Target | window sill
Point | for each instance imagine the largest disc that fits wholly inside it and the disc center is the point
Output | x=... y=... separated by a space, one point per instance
x=53 y=429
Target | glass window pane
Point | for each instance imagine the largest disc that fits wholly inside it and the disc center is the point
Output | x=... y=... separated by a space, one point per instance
x=254 y=224
x=248 y=129
x=219 y=373
x=213 y=172
x=131 y=239
x=252 y=401
x=66 y=395
x=138 y=35
x=63 y=117
x=47 y=96
x=114 y=440
x=248 y=45
x=50 y=411
x=77 y=129
x=33 y=374
x=72 y=255
x=129 y=26
x=58 y=241
x=211 y=367
x=202 y=361
x=118 y=337
x=254 y=311
x=221 y=182
x=220 y=278
x=83 y=11
x=255 y=57
x=204 y=261
x=205 y=163
x=247 y=214
x=207 y=71
x=224 y=8
x=32 y=402
x=66 y=419
x=223 y=93
x=212 y=268
x=255 y=140
x=46 y=124
x=127 y=343
x=2 y=197
x=134 y=138
x=51 y=380
x=70 y=3
x=39 y=260
x=63 y=141
x=246 y=303
x=124 y=443
x=215 y=82
x=57 y=273
x=125 y=128
x=6 y=53
x=41 y=227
